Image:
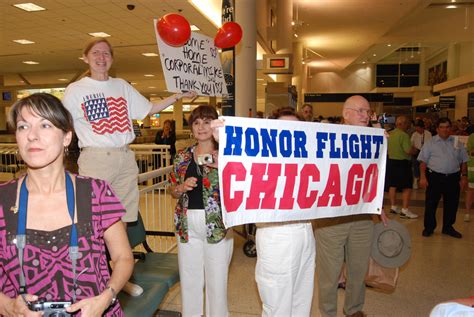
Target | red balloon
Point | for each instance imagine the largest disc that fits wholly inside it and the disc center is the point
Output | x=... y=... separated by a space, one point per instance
x=228 y=35
x=174 y=29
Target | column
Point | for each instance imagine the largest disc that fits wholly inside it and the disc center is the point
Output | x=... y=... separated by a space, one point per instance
x=422 y=73
x=246 y=59
x=284 y=42
x=453 y=61
x=299 y=74
x=178 y=114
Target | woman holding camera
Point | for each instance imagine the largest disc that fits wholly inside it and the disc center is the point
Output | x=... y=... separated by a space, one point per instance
x=55 y=226
x=204 y=245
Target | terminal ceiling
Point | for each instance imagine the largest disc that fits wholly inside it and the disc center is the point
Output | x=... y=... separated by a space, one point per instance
x=334 y=33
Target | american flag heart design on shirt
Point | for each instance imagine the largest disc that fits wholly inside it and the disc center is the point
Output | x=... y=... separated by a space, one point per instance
x=106 y=115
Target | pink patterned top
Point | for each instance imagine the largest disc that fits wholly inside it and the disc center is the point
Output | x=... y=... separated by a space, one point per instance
x=47 y=266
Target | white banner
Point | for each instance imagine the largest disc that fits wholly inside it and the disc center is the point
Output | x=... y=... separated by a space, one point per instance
x=277 y=170
x=194 y=66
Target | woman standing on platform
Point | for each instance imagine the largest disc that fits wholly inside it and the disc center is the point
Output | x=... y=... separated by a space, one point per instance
x=204 y=245
x=103 y=109
x=55 y=226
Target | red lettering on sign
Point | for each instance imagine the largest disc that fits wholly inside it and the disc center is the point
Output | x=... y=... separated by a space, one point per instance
x=237 y=169
x=259 y=185
x=308 y=170
x=333 y=188
x=354 y=184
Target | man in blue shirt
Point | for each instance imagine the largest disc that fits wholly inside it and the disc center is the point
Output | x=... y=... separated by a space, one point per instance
x=443 y=171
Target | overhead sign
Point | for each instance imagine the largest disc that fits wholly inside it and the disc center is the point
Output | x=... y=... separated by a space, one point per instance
x=278 y=64
x=341 y=97
x=194 y=66
x=278 y=170
x=447 y=102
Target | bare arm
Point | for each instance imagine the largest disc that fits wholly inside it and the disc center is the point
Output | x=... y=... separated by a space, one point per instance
x=165 y=103
x=122 y=262
x=423 y=180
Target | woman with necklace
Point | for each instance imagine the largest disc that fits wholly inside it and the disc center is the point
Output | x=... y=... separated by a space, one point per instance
x=204 y=245
x=55 y=226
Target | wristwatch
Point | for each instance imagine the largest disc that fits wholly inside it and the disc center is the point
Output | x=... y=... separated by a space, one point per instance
x=114 y=295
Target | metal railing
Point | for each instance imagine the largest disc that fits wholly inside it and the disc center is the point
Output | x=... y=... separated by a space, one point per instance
x=10 y=162
x=156 y=203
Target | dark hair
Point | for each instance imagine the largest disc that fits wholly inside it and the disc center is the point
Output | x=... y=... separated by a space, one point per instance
x=443 y=120
x=286 y=111
x=419 y=123
x=202 y=112
x=95 y=41
x=46 y=106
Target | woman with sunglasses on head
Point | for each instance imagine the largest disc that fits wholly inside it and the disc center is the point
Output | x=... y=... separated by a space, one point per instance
x=204 y=245
x=55 y=226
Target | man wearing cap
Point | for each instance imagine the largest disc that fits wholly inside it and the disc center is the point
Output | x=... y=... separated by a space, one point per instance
x=418 y=138
x=346 y=238
x=443 y=171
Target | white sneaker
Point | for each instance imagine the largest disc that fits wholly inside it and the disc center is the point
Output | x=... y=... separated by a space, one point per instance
x=395 y=210
x=132 y=289
x=415 y=183
x=407 y=214
x=467 y=218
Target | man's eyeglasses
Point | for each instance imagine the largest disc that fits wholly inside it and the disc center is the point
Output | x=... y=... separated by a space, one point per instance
x=363 y=111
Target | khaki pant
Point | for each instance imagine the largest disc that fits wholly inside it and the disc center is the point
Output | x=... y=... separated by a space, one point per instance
x=350 y=242
x=117 y=166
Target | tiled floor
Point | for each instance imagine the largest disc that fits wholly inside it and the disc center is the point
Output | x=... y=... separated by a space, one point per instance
x=440 y=268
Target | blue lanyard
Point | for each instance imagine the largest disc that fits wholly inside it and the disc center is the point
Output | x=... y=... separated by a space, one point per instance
x=21 y=229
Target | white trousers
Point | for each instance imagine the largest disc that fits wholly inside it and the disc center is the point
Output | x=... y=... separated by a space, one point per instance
x=285 y=269
x=204 y=265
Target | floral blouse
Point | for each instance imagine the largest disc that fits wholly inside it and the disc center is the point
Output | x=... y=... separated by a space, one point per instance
x=212 y=206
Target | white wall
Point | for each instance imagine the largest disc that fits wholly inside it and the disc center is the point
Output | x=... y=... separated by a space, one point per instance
x=357 y=78
x=466 y=58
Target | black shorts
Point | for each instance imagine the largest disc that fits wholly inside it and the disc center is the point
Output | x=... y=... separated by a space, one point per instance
x=399 y=174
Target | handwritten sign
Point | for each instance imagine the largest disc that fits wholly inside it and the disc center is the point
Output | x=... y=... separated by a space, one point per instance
x=194 y=66
x=277 y=170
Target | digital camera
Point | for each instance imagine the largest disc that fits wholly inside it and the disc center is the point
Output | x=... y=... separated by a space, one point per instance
x=50 y=309
x=204 y=159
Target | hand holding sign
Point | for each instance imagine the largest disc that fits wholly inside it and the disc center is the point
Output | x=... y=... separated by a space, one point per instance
x=174 y=29
x=228 y=35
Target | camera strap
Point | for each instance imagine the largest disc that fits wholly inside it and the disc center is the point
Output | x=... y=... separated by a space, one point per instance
x=21 y=230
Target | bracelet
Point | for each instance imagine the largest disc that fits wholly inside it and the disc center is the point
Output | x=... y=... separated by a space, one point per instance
x=114 y=295
x=176 y=191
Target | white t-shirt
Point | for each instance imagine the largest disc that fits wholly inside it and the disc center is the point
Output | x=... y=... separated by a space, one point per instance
x=418 y=139
x=103 y=111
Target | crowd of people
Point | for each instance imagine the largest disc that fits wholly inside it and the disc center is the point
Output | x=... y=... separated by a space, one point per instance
x=56 y=217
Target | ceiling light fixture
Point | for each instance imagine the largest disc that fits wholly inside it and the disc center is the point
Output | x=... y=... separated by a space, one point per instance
x=28 y=6
x=30 y=62
x=149 y=75
x=133 y=83
x=451 y=7
x=194 y=28
x=151 y=87
x=99 y=34
x=374 y=55
x=62 y=79
x=23 y=41
x=296 y=35
x=150 y=54
x=389 y=45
